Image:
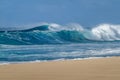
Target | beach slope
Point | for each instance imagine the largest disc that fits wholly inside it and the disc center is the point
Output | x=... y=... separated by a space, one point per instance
x=90 y=69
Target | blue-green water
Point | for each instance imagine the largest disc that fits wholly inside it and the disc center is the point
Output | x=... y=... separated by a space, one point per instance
x=55 y=42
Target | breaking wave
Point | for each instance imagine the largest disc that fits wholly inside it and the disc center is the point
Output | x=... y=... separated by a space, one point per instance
x=56 y=34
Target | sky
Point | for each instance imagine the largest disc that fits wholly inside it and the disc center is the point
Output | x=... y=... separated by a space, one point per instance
x=84 y=12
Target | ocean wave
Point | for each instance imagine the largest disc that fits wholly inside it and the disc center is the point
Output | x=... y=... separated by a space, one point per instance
x=21 y=53
x=56 y=34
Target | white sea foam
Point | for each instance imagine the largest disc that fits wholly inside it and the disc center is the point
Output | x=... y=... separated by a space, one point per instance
x=106 y=32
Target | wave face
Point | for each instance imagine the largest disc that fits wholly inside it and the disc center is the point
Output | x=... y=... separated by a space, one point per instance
x=57 y=34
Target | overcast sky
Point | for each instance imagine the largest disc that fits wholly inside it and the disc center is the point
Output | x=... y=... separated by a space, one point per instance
x=84 y=12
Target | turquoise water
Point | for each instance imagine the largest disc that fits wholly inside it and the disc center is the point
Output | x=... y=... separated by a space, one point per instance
x=55 y=42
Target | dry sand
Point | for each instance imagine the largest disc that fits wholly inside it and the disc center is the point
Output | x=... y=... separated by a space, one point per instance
x=92 y=69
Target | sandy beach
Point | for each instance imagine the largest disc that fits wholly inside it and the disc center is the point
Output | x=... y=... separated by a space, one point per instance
x=90 y=69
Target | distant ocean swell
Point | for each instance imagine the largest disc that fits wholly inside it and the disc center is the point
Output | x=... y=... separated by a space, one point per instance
x=56 y=34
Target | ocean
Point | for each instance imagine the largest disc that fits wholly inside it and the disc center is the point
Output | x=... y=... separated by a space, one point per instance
x=49 y=42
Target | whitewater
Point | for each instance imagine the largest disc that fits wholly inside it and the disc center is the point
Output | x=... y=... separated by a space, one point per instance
x=45 y=42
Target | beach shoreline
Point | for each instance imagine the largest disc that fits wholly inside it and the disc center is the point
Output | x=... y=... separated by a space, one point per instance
x=39 y=61
x=86 y=69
